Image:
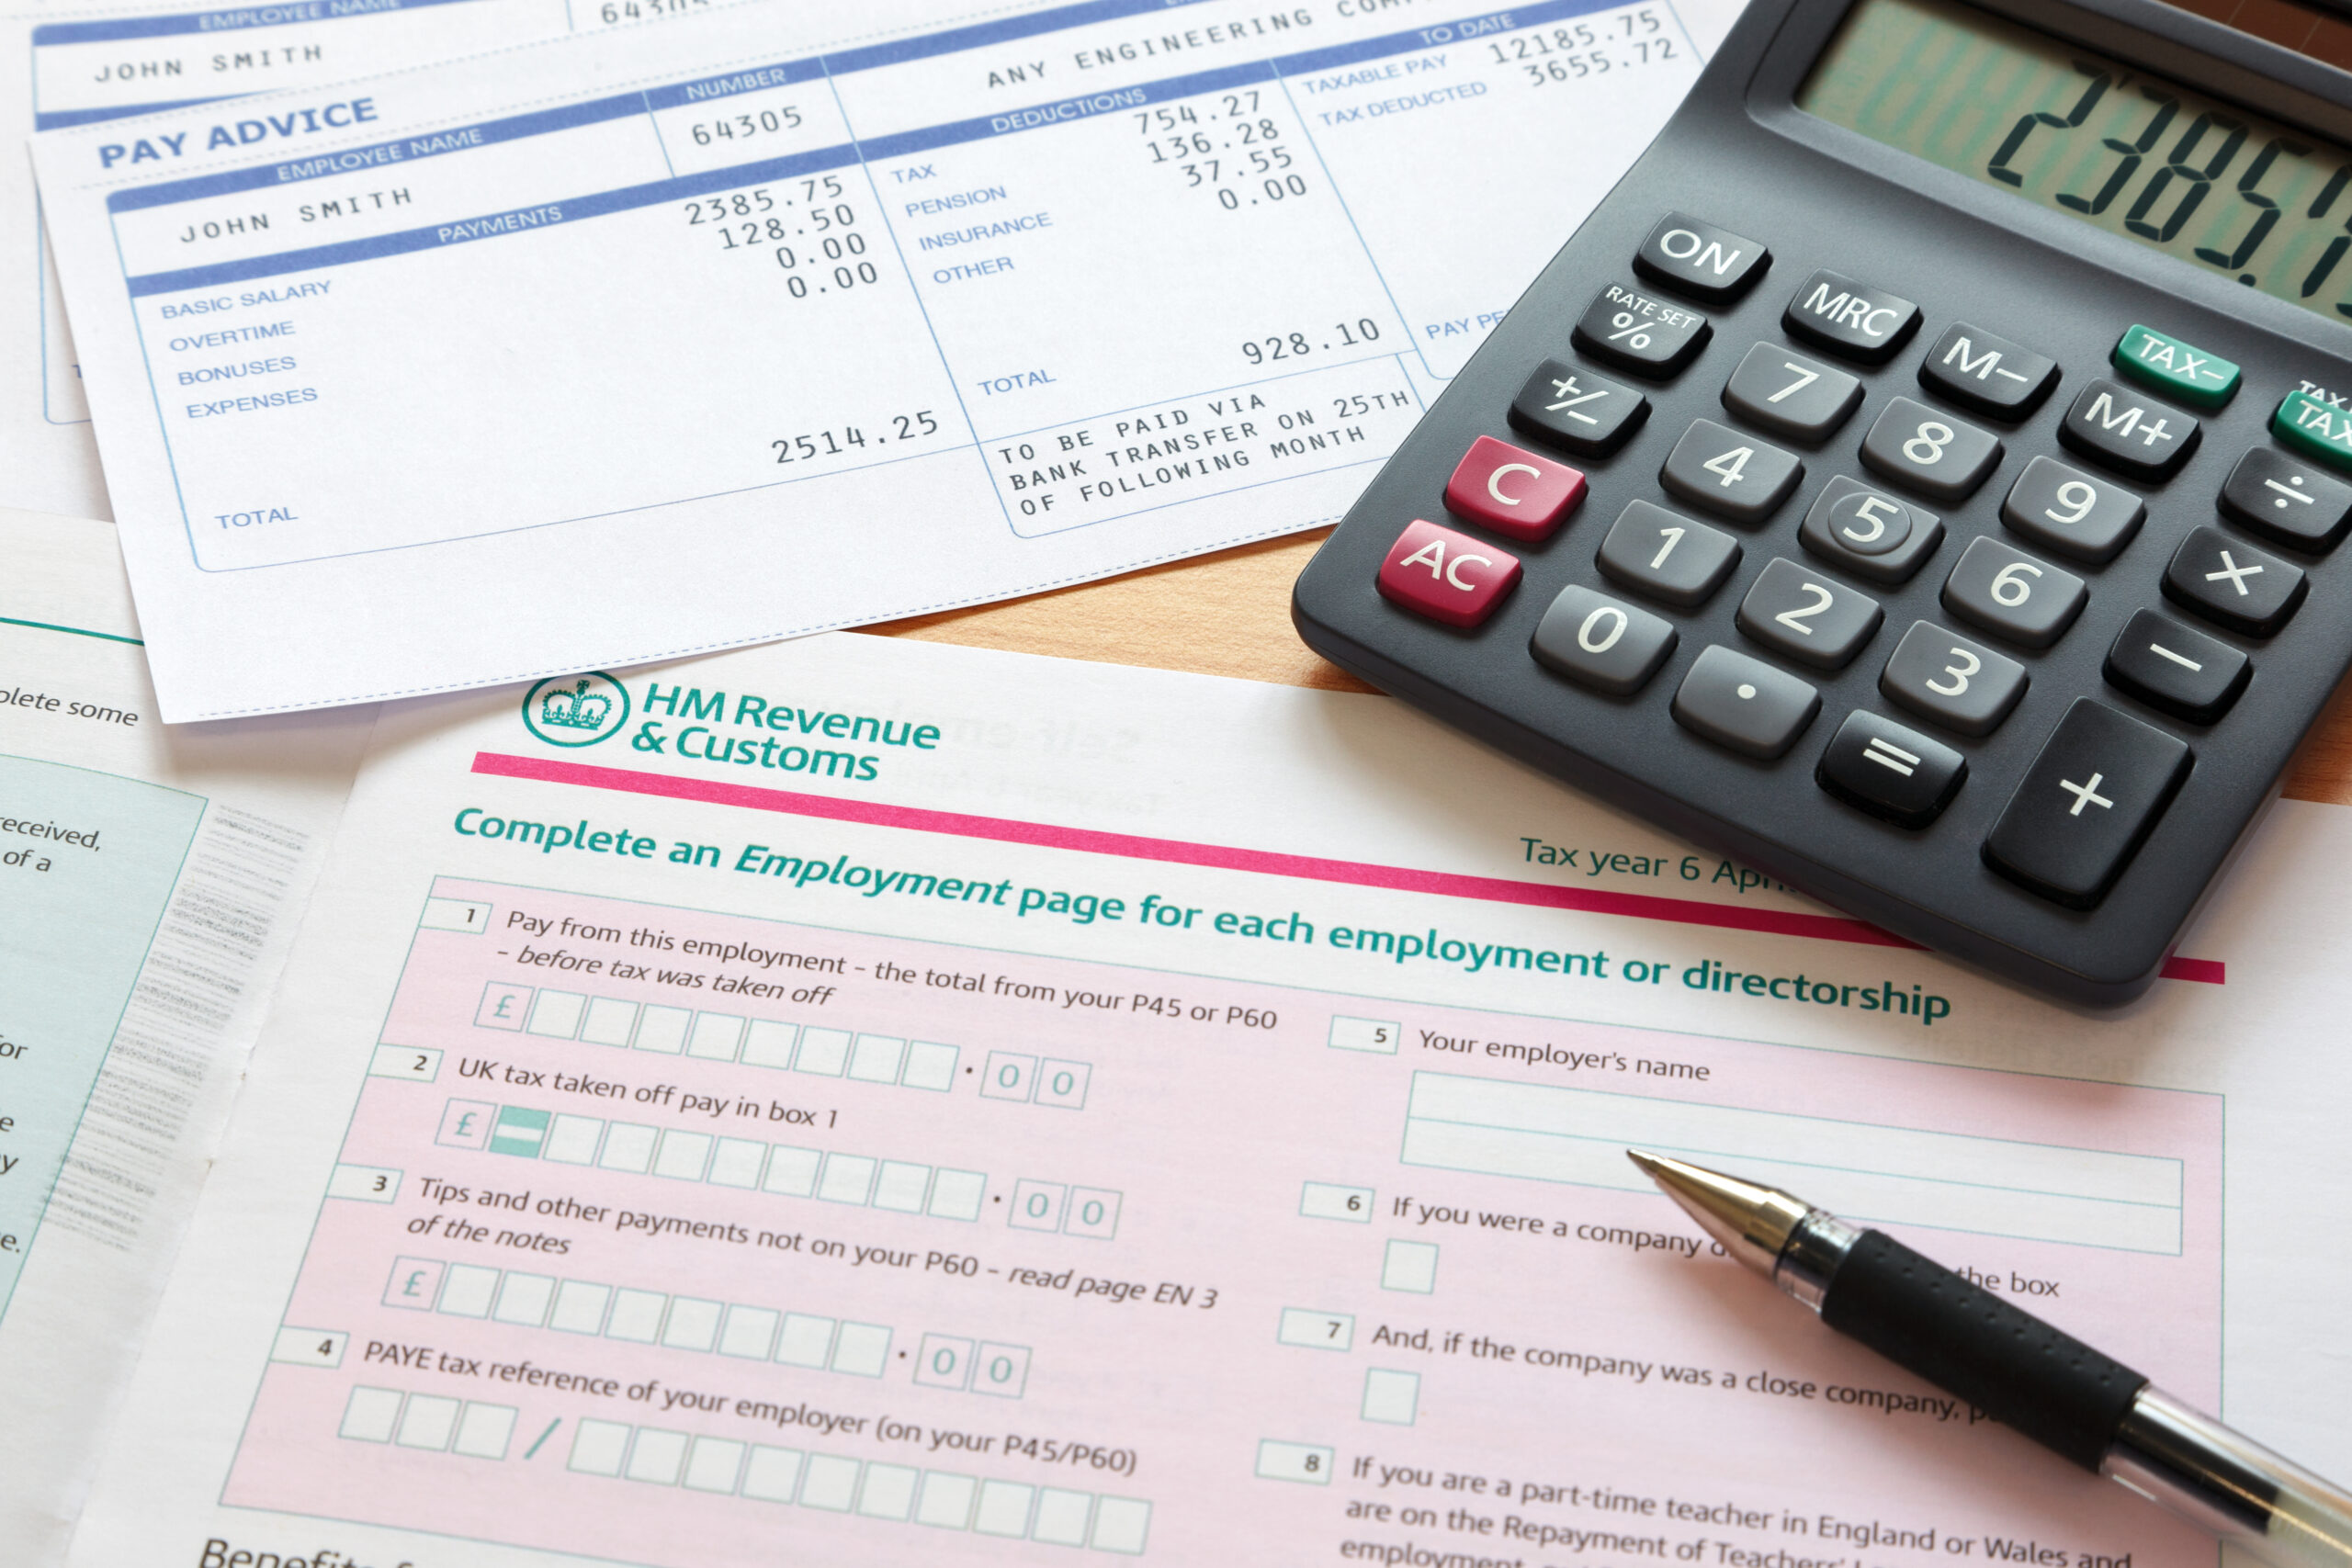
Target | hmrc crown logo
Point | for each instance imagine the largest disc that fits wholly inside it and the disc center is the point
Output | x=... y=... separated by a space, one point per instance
x=577 y=710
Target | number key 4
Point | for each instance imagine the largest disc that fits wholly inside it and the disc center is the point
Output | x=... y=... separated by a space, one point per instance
x=1733 y=475
x=1937 y=455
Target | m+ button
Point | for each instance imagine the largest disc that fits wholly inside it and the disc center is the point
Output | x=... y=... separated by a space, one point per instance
x=2088 y=805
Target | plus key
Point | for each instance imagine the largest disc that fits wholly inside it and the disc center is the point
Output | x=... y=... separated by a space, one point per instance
x=2089 y=803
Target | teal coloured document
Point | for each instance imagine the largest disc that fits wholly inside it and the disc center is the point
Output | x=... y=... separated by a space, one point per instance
x=88 y=862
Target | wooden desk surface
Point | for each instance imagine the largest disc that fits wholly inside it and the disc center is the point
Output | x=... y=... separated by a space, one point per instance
x=1229 y=615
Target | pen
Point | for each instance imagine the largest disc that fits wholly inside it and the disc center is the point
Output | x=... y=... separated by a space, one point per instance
x=2018 y=1369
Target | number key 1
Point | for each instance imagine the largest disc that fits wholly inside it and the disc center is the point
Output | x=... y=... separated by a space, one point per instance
x=1668 y=557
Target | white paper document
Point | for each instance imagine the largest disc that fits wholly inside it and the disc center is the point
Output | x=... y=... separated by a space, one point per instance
x=673 y=337
x=851 y=1103
x=149 y=884
x=84 y=65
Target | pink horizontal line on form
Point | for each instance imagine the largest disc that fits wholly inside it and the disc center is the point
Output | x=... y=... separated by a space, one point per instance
x=1133 y=846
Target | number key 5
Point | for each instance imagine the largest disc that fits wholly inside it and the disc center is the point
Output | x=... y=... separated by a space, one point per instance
x=1936 y=455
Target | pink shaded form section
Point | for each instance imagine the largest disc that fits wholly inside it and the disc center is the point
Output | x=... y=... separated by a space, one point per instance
x=1133 y=846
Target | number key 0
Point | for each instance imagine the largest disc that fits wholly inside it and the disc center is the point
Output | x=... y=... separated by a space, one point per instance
x=1935 y=454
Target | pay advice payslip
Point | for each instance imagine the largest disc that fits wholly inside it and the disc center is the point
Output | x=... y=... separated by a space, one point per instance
x=971 y=310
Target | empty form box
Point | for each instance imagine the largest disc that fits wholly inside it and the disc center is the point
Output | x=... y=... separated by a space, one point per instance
x=1409 y=1266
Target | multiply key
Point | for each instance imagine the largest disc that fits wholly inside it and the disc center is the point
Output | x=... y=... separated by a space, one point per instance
x=2233 y=584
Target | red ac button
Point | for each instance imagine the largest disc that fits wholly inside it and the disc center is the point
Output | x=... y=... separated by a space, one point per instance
x=1514 y=492
x=1447 y=576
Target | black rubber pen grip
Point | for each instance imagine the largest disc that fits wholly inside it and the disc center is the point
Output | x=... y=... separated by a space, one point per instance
x=2008 y=1363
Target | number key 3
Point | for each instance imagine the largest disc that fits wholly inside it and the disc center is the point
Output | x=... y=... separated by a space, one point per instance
x=1962 y=685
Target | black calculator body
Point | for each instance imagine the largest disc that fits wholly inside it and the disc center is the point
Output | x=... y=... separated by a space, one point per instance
x=1951 y=519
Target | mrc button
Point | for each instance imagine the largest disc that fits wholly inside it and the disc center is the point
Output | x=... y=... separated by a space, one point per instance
x=1448 y=577
x=1834 y=311
x=1710 y=265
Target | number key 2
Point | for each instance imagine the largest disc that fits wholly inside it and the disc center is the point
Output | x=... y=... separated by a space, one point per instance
x=1806 y=617
x=1937 y=455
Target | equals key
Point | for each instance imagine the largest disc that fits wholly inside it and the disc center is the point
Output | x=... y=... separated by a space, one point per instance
x=2292 y=502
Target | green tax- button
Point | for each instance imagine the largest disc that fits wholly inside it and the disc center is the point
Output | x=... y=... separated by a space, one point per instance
x=2175 y=368
x=2314 y=428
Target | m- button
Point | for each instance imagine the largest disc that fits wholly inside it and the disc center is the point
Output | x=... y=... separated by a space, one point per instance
x=2087 y=805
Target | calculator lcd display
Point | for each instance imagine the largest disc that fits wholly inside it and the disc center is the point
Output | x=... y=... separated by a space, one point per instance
x=2134 y=154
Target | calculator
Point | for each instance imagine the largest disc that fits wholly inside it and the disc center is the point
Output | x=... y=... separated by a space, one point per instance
x=1920 y=479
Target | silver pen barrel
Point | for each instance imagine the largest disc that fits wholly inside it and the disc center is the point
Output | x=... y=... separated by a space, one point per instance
x=2197 y=1468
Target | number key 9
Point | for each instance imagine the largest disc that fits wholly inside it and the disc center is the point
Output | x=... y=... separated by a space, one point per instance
x=2072 y=513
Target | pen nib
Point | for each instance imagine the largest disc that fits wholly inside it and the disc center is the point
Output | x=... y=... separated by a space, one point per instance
x=1753 y=1222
